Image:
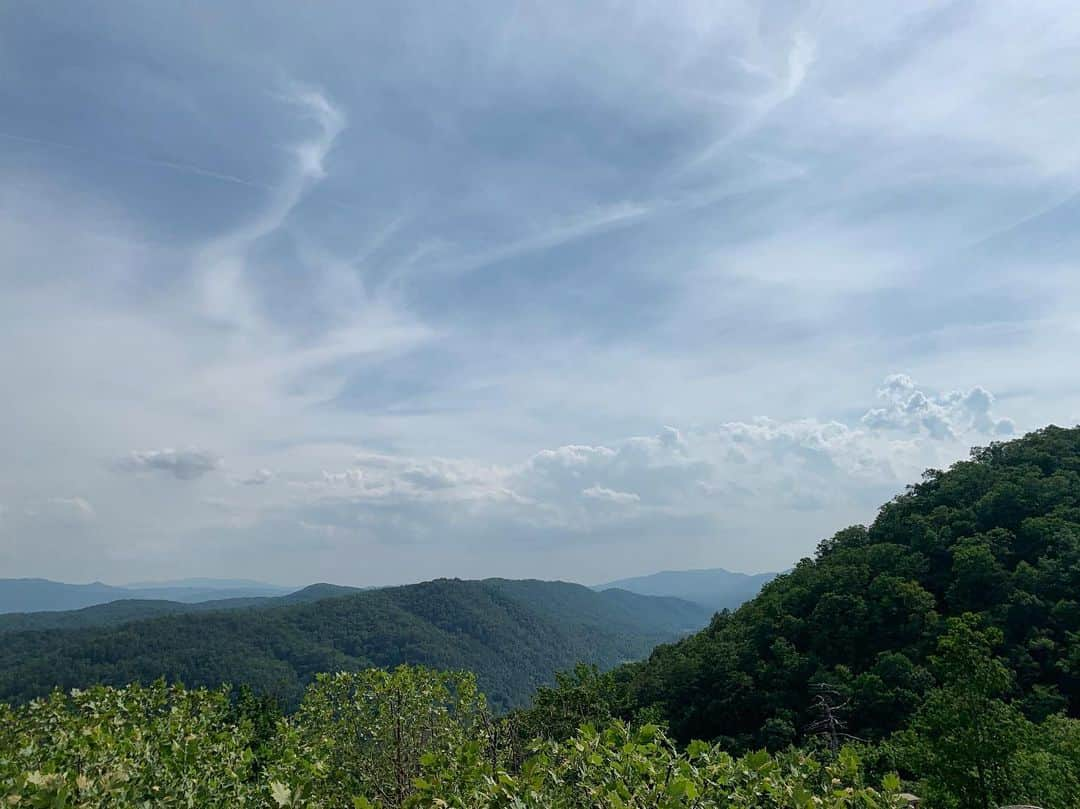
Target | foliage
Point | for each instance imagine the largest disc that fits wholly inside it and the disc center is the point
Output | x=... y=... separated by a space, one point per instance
x=619 y=766
x=972 y=749
x=365 y=734
x=410 y=737
x=155 y=746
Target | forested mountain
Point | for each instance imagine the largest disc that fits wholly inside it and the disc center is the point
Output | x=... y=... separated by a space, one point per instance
x=514 y=634
x=714 y=588
x=997 y=536
x=35 y=595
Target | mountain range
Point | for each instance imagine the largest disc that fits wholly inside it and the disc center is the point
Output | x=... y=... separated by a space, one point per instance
x=515 y=635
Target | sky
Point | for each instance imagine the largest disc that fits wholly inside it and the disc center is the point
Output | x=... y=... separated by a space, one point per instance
x=380 y=292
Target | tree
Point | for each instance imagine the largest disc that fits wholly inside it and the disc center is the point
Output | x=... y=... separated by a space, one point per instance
x=366 y=733
x=964 y=739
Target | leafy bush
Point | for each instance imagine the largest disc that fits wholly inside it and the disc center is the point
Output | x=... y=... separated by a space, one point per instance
x=366 y=733
x=411 y=737
x=619 y=766
x=138 y=746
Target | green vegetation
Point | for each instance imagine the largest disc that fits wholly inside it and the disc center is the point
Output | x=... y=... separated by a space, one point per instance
x=405 y=738
x=997 y=537
x=514 y=635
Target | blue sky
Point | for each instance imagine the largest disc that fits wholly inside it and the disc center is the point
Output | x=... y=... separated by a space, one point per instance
x=380 y=292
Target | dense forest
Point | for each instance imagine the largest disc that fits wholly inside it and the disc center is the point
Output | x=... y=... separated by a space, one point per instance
x=513 y=634
x=936 y=650
x=996 y=537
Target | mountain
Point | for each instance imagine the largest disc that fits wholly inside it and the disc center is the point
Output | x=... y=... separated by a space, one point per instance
x=37 y=595
x=206 y=584
x=316 y=592
x=514 y=634
x=32 y=595
x=123 y=611
x=713 y=588
x=995 y=537
x=195 y=594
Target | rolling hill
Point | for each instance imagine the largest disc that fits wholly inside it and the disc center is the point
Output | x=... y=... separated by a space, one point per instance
x=514 y=634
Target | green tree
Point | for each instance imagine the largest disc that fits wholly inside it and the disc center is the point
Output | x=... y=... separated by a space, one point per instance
x=964 y=739
x=364 y=734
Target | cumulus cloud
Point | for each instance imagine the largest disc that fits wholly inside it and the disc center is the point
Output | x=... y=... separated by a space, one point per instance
x=187 y=464
x=376 y=476
x=909 y=409
x=794 y=465
x=659 y=468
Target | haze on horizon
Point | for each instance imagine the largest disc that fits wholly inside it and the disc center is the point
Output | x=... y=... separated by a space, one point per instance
x=373 y=293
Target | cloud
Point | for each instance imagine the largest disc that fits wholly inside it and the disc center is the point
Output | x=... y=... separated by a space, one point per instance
x=610 y=495
x=259 y=477
x=387 y=478
x=187 y=464
x=223 y=266
x=797 y=465
x=63 y=509
x=658 y=468
x=501 y=274
x=944 y=416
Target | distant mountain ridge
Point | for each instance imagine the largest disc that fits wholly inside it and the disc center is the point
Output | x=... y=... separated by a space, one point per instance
x=126 y=610
x=40 y=595
x=203 y=583
x=514 y=634
x=713 y=588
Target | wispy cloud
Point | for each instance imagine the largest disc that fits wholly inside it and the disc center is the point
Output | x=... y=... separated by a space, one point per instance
x=421 y=296
x=222 y=267
x=782 y=87
x=171 y=165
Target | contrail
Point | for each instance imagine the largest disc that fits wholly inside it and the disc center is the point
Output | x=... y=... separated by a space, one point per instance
x=186 y=168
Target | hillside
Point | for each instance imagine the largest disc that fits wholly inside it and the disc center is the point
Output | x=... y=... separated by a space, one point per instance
x=714 y=588
x=997 y=536
x=37 y=595
x=514 y=635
